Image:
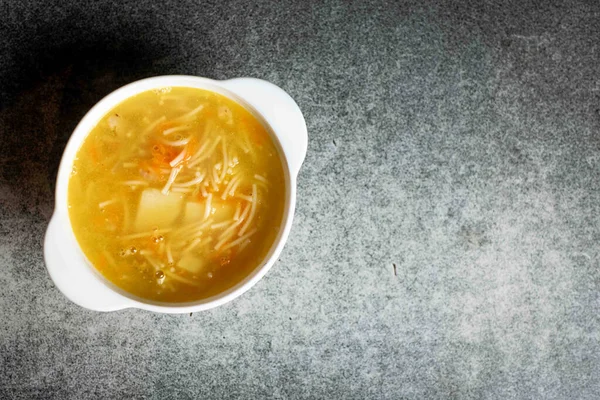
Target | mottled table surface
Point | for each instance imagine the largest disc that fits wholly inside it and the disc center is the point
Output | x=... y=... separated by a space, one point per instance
x=458 y=142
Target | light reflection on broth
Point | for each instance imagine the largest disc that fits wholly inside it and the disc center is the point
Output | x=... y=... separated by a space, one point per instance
x=177 y=194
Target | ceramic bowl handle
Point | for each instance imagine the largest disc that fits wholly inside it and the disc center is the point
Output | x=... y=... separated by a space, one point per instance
x=280 y=111
x=72 y=276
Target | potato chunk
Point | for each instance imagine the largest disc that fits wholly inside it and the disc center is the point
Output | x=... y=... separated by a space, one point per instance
x=157 y=210
x=191 y=263
x=222 y=210
x=194 y=212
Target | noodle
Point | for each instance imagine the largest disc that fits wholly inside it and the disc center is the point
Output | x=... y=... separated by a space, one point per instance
x=252 y=211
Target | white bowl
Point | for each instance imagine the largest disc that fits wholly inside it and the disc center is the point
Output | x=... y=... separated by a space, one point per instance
x=75 y=276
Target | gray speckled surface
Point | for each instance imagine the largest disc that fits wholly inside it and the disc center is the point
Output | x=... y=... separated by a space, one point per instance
x=459 y=142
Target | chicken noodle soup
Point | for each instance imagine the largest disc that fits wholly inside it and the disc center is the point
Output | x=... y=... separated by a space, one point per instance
x=177 y=194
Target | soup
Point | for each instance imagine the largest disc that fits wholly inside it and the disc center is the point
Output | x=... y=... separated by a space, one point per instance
x=177 y=194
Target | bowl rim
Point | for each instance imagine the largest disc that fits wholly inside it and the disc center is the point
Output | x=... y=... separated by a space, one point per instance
x=83 y=129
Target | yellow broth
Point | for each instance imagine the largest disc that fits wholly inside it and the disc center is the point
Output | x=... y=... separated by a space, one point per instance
x=177 y=194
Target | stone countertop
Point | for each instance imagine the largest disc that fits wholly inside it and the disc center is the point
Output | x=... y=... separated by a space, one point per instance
x=446 y=240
